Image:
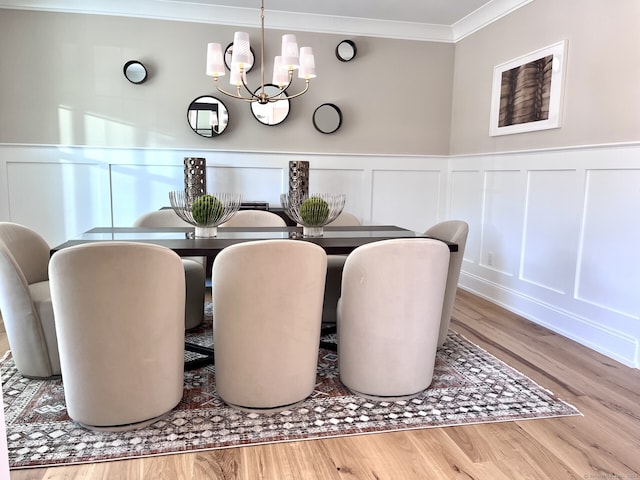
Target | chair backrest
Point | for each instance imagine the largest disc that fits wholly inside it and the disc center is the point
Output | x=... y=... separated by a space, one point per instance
x=335 y=263
x=255 y=218
x=167 y=218
x=455 y=231
x=389 y=315
x=345 y=219
x=267 y=305
x=24 y=259
x=161 y=218
x=30 y=251
x=119 y=313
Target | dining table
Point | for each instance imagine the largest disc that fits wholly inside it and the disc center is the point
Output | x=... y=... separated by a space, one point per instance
x=339 y=240
x=335 y=240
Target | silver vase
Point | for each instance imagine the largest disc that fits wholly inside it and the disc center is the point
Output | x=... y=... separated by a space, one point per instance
x=298 y=180
x=195 y=177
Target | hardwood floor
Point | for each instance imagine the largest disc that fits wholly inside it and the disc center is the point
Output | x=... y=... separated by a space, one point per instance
x=603 y=444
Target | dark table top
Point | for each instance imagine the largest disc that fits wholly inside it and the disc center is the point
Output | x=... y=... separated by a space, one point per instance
x=335 y=240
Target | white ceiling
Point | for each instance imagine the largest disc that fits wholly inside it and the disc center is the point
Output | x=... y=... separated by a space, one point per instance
x=429 y=20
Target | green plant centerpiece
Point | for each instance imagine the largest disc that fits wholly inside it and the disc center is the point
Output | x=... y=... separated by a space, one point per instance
x=207 y=209
x=313 y=212
x=205 y=212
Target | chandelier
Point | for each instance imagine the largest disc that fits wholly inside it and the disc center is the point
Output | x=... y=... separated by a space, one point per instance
x=283 y=67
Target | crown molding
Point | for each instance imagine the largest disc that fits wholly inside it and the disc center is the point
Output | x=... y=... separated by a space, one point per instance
x=485 y=15
x=250 y=17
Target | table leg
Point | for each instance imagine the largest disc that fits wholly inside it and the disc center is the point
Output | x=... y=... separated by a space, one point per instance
x=326 y=330
x=198 y=362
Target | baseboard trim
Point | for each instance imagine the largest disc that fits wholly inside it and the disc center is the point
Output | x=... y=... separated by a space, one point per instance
x=620 y=347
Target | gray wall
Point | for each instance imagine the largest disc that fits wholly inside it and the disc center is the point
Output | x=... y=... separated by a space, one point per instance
x=62 y=83
x=602 y=84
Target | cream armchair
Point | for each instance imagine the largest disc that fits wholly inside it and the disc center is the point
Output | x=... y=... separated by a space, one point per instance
x=119 y=313
x=389 y=316
x=455 y=231
x=255 y=218
x=25 y=301
x=335 y=264
x=194 y=267
x=267 y=306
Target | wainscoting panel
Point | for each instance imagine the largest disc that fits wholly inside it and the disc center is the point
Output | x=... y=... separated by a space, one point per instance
x=551 y=227
x=465 y=203
x=349 y=182
x=502 y=221
x=407 y=198
x=611 y=233
x=561 y=225
x=141 y=189
x=39 y=193
x=133 y=181
x=263 y=184
x=560 y=229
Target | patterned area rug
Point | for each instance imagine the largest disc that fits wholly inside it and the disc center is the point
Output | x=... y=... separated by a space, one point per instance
x=470 y=386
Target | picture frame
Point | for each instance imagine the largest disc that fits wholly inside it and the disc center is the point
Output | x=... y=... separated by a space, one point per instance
x=527 y=91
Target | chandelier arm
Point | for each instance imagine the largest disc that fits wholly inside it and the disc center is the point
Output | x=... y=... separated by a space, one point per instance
x=281 y=90
x=246 y=87
x=234 y=95
x=306 y=87
x=284 y=88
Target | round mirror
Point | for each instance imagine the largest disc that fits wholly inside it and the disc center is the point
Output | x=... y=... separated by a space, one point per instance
x=327 y=118
x=227 y=58
x=346 y=50
x=135 y=72
x=271 y=113
x=208 y=116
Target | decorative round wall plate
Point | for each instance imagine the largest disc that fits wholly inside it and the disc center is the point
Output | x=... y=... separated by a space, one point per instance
x=135 y=72
x=208 y=116
x=346 y=51
x=327 y=118
x=272 y=113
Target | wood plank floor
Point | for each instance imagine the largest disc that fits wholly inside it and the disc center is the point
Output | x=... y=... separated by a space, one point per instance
x=603 y=444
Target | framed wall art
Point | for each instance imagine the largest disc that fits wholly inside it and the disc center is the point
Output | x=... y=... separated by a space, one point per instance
x=527 y=92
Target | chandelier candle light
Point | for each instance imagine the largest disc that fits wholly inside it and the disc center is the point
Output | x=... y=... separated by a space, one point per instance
x=283 y=66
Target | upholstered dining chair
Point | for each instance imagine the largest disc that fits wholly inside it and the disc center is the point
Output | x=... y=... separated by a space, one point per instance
x=455 y=231
x=194 y=267
x=389 y=316
x=267 y=306
x=255 y=218
x=25 y=301
x=335 y=264
x=119 y=313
